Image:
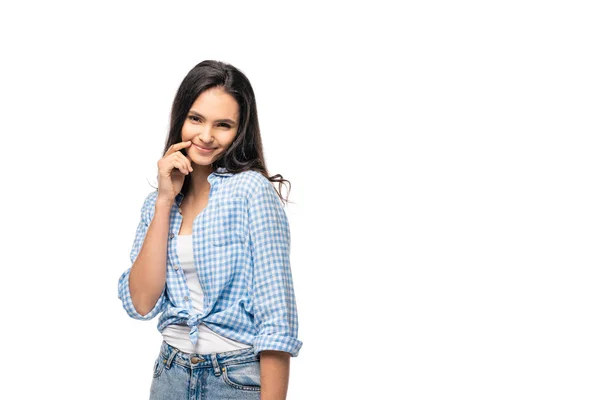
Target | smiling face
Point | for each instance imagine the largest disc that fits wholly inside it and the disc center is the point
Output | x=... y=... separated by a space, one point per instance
x=211 y=123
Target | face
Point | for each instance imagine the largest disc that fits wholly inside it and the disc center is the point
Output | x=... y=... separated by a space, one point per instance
x=212 y=123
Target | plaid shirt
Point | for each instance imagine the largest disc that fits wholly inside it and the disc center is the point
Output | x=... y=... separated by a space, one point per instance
x=241 y=244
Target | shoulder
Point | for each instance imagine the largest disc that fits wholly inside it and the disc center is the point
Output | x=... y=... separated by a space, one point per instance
x=150 y=199
x=148 y=206
x=250 y=183
x=259 y=193
x=251 y=178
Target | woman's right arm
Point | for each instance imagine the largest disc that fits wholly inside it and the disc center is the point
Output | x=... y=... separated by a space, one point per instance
x=142 y=287
x=148 y=272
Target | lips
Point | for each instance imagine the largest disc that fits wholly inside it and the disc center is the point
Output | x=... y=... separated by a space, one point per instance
x=204 y=148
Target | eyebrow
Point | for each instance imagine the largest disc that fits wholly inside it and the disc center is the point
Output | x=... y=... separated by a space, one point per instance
x=196 y=113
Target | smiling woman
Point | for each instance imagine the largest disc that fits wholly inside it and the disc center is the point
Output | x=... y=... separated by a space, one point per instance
x=225 y=293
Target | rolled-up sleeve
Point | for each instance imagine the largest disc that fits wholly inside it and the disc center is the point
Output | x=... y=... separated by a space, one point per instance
x=124 y=291
x=274 y=302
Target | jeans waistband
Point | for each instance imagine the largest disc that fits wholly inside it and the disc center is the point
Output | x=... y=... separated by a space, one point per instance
x=216 y=361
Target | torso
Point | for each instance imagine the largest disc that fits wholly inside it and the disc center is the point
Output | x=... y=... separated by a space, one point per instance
x=189 y=212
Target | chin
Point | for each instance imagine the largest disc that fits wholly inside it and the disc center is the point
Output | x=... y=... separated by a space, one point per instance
x=203 y=162
x=206 y=160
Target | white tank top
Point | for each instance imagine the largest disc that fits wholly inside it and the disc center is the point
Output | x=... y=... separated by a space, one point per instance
x=178 y=335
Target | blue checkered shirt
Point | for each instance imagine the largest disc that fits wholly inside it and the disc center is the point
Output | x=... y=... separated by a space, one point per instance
x=241 y=244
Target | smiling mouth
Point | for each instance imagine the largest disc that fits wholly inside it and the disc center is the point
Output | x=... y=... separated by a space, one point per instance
x=204 y=149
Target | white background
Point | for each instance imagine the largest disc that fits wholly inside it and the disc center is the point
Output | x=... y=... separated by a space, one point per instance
x=444 y=161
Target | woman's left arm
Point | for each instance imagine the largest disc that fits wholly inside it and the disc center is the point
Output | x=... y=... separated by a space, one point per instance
x=273 y=299
x=274 y=374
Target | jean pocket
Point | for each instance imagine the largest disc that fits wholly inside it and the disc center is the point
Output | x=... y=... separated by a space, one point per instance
x=159 y=365
x=243 y=376
x=229 y=222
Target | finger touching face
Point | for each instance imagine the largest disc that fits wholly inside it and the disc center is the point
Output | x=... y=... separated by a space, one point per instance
x=211 y=125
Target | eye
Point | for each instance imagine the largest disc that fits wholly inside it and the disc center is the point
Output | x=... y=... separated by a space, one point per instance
x=225 y=125
x=194 y=118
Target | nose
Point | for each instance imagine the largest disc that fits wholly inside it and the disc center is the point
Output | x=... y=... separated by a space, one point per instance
x=205 y=136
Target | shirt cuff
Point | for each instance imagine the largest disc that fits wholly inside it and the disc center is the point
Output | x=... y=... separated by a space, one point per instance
x=277 y=342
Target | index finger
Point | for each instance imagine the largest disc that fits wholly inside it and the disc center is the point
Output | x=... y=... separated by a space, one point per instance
x=178 y=146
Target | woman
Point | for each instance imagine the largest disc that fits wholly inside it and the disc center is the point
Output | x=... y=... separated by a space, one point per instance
x=229 y=321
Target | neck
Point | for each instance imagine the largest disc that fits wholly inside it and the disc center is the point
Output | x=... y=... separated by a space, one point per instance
x=198 y=181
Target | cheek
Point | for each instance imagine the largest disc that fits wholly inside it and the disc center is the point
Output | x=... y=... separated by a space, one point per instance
x=230 y=139
x=186 y=132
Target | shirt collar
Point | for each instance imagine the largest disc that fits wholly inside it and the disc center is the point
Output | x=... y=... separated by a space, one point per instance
x=220 y=172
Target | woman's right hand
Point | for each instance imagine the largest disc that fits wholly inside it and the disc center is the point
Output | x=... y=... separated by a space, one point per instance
x=172 y=169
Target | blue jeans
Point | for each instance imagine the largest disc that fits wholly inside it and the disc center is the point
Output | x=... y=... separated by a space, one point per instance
x=228 y=375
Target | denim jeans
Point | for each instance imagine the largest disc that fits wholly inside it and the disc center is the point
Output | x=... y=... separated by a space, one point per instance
x=228 y=375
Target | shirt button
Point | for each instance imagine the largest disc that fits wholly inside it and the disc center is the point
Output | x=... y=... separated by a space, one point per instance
x=176 y=267
x=171 y=236
x=180 y=212
x=185 y=298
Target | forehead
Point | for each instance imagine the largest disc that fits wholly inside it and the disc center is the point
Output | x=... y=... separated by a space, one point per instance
x=214 y=103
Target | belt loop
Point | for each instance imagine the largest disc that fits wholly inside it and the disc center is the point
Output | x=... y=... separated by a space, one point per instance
x=174 y=352
x=215 y=364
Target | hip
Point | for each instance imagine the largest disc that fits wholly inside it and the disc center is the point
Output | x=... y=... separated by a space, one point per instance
x=226 y=375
